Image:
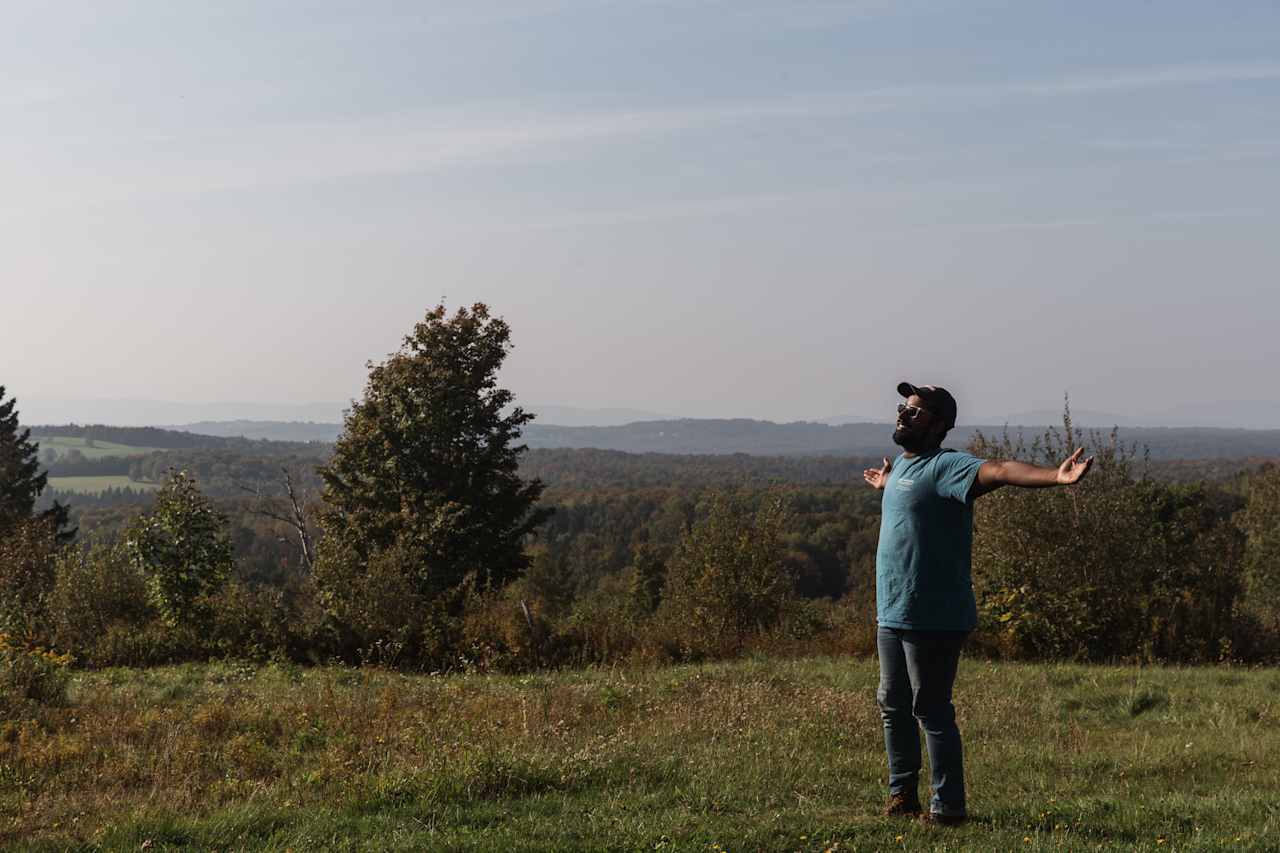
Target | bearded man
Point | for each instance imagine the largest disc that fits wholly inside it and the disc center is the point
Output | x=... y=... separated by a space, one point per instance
x=924 y=593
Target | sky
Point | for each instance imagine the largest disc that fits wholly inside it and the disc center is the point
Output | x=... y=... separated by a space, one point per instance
x=713 y=208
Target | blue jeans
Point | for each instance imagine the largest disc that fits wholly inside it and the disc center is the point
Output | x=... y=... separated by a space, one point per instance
x=917 y=670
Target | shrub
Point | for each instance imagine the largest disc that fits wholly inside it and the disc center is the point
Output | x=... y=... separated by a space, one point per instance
x=1115 y=567
x=182 y=548
x=603 y=627
x=381 y=614
x=1260 y=521
x=728 y=576
x=27 y=552
x=30 y=674
x=504 y=631
x=96 y=591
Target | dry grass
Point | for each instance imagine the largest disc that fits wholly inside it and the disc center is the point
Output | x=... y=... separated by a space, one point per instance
x=752 y=755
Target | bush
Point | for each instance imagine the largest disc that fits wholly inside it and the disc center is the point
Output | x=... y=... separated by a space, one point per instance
x=1260 y=521
x=727 y=577
x=503 y=631
x=381 y=614
x=181 y=546
x=27 y=553
x=603 y=626
x=97 y=592
x=30 y=675
x=1115 y=567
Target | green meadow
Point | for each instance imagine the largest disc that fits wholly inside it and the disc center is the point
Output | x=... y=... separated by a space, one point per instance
x=759 y=754
x=98 y=484
x=62 y=445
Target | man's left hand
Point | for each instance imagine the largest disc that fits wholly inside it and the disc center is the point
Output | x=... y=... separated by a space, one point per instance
x=1074 y=468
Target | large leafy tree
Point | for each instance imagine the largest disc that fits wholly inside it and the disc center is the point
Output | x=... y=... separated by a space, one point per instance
x=21 y=480
x=422 y=495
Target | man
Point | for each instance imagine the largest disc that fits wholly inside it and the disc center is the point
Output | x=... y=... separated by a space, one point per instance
x=924 y=596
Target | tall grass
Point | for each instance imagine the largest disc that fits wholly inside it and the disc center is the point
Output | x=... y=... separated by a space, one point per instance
x=757 y=754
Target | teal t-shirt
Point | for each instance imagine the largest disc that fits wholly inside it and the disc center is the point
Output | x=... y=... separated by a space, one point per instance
x=923 y=562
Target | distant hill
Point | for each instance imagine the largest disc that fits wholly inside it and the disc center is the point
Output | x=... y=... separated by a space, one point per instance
x=840 y=420
x=573 y=416
x=141 y=440
x=266 y=430
x=1244 y=414
x=765 y=438
x=328 y=432
x=151 y=412
x=708 y=436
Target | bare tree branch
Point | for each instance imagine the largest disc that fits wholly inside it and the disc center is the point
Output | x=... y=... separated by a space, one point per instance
x=295 y=517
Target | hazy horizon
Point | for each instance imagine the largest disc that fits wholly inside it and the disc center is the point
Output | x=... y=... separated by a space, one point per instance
x=175 y=414
x=704 y=209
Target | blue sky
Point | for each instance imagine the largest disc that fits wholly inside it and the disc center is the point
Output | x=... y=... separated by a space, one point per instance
x=741 y=208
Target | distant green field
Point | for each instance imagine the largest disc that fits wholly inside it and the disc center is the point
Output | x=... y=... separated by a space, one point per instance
x=97 y=485
x=62 y=445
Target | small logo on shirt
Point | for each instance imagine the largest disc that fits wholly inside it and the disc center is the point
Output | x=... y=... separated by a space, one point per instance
x=904 y=484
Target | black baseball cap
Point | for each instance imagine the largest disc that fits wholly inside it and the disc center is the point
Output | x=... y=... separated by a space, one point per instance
x=937 y=400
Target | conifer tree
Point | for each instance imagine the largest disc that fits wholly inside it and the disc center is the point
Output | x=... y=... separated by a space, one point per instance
x=21 y=480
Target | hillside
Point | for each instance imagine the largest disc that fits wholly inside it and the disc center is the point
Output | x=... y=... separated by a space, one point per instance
x=689 y=436
x=765 y=438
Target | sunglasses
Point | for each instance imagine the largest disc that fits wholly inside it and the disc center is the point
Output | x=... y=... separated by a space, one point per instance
x=911 y=412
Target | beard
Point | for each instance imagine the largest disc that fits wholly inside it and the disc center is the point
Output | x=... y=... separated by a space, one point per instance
x=909 y=441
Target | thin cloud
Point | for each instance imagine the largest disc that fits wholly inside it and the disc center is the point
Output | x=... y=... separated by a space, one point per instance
x=275 y=155
x=1151 y=78
x=736 y=205
x=1173 y=217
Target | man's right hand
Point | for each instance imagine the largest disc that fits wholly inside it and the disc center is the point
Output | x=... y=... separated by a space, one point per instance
x=877 y=477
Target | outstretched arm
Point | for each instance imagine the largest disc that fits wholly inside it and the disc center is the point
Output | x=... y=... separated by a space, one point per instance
x=1009 y=472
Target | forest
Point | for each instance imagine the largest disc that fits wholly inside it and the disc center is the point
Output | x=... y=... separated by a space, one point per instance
x=430 y=537
x=613 y=513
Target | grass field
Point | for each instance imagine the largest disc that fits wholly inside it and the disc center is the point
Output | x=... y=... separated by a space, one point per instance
x=753 y=755
x=100 y=449
x=97 y=485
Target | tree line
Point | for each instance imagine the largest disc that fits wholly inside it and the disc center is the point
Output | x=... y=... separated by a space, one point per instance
x=424 y=539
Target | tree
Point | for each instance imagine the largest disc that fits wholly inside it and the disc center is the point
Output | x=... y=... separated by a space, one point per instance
x=181 y=546
x=422 y=496
x=1260 y=520
x=294 y=515
x=648 y=576
x=728 y=576
x=21 y=480
x=550 y=581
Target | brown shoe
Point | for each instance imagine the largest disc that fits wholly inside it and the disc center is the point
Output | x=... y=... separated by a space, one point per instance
x=939 y=819
x=907 y=803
